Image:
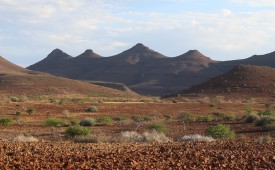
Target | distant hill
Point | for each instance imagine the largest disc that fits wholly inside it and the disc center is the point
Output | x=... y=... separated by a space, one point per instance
x=140 y=68
x=241 y=81
x=16 y=80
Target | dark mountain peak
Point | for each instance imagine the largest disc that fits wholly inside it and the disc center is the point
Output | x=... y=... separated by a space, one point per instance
x=193 y=55
x=89 y=54
x=138 y=53
x=140 y=48
x=58 y=54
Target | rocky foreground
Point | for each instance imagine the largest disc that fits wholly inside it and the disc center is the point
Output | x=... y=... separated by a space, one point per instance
x=198 y=155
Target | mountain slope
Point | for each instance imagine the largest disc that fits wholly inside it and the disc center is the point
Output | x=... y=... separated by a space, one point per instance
x=17 y=80
x=140 y=68
x=241 y=81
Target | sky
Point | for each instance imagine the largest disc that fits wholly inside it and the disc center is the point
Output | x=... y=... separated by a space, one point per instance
x=220 y=29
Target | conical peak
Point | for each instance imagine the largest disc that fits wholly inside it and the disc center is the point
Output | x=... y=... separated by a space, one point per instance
x=58 y=54
x=193 y=55
x=140 y=47
x=88 y=54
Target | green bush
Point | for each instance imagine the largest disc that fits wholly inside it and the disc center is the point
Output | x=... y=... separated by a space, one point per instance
x=220 y=131
x=52 y=121
x=92 y=109
x=5 y=121
x=74 y=131
x=87 y=122
x=218 y=115
x=228 y=117
x=264 y=121
x=74 y=122
x=30 y=111
x=104 y=120
x=251 y=117
x=158 y=126
x=119 y=118
x=265 y=113
x=186 y=117
x=205 y=118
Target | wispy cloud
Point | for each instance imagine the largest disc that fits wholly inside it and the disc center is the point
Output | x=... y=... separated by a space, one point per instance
x=110 y=26
x=255 y=2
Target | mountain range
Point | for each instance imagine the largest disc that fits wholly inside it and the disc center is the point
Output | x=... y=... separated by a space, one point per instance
x=142 y=69
x=15 y=80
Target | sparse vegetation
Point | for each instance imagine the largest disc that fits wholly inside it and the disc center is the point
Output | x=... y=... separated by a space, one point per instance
x=18 y=113
x=251 y=117
x=186 y=117
x=265 y=120
x=220 y=131
x=5 y=121
x=119 y=118
x=92 y=109
x=205 y=118
x=137 y=118
x=87 y=122
x=167 y=117
x=229 y=117
x=265 y=113
x=134 y=136
x=104 y=120
x=74 y=122
x=158 y=126
x=74 y=131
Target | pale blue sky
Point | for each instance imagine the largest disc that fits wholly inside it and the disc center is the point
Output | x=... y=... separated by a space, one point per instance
x=220 y=29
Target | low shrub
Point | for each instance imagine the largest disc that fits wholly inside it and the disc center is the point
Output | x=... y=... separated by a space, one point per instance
x=85 y=139
x=186 y=117
x=196 y=137
x=220 y=131
x=167 y=117
x=153 y=136
x=265 y=113
x=131 y=136
x=229 y=117
x=52 y=121
x=74 y=131
x=264 y=121
x=157 y=126
x=23 y=138
x=146 y=119
x=137 y=118
x=30 y=111
x=92 y=109
x=119 y=118
x=18 y=113
x=104 y=120
x=218 y=115
x=265 y=139
x=74 y=122
x=205 y=118
x=87 y=122
x=251 y=117
x=5 y=121
x=14 y=99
